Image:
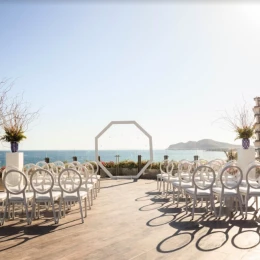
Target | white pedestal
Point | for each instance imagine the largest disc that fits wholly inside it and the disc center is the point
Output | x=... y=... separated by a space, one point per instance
x=244 y=158
x=14 y=160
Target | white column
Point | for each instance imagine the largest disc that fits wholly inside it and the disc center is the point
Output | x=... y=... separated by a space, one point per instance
x=244 y=158
x=14 y=160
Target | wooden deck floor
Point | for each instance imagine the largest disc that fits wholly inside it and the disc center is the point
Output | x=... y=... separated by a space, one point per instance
x=131 y=220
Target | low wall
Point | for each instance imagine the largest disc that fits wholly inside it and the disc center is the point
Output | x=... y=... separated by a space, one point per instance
x=148 y=174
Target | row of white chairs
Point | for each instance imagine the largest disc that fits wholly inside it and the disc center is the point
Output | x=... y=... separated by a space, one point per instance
x=213 y=179
x=49 y=183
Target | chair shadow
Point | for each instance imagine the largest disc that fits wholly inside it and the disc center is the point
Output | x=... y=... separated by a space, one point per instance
x=217 y=234
x=23 y=233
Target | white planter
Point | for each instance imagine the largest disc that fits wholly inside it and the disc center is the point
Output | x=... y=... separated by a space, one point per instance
x=257 y=144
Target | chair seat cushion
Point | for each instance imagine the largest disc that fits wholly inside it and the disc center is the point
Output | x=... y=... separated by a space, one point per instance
x=171 y=178
x=44 y=197
x=199 y=192
x=177 y=184
x=253 y=192
x=159 y=175
x=19 y=197
x=226 y=191
x=56 y=187
x=74 y=196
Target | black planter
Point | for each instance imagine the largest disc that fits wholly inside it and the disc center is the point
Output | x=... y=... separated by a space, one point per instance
x=14 y=147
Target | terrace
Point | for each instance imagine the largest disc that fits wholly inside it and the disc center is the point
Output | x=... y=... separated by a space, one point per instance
x=132 y=220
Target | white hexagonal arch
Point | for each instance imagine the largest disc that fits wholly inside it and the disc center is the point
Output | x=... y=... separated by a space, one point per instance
x=124 y=123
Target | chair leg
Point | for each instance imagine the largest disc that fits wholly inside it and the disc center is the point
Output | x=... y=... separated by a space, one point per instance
x=85 y=207
x=163 y=186
x=89 y=202
x=240 y=205
x=60 y=202
x=33 y=210
x=178 y=196
x=220 y=205
x=27 y=214
x=213 y=205
x=186 y=202
x=167 y=188
x=96 y=189
x=13 y=210
x=81 y=213
x=193 y=209
x=56 y=220
x=64 y=210
x=4 y=215
x=246 y=205
x=9 y=210
x=160 y=184
x=173 y=193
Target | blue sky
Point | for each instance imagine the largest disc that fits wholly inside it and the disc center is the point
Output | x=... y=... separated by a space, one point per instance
x=172 y=67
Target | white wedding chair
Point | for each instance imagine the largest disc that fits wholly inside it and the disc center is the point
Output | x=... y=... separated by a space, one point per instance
x=252 y=188
x=227 y=186
x=28 y=170
x=184 y=179
x=3 y=196
x=163 y=173
x=15 y=183
x=42 y=182
x=170 y=176
x=70 y=182
x=43 y=165
x=92 y=179
x=202 y=181
x=95 y=175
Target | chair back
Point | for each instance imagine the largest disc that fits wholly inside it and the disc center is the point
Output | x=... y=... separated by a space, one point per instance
x=163 y=166
x=15 y=181
x=70 y=180
x=253 y=175
x=184 y=171
x=95 y=167
x=230 y=177
x=204 y=177
x=170 y=167
x=43 y=164
x=59 y=163
x=90 y=168
x=41 y=181
x=85 y=176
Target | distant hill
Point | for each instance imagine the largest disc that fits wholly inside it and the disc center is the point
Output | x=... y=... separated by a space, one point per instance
x=205 y=144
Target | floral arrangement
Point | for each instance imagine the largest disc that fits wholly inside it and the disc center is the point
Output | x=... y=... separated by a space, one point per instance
x=242 y=122
x=13 y=134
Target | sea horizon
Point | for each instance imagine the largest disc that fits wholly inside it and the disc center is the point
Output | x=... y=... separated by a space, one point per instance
x=33 y=156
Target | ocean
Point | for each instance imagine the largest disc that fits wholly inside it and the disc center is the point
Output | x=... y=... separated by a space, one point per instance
x=34 y=156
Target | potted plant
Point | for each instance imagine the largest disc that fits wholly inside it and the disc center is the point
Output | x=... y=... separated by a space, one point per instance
x=242 y=122
x=13 y=136
x=15 y=116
